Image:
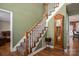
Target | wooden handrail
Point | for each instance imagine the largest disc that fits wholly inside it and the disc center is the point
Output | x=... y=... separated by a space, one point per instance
x=34 y=26
x=32 y=37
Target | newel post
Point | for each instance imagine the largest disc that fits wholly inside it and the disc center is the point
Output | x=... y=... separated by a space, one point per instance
x=27 y=50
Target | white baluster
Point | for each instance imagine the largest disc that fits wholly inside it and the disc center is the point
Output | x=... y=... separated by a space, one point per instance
x=34 y=36
x=31 y=38
x=29 y=43
x=40 y=27
x=36 y=33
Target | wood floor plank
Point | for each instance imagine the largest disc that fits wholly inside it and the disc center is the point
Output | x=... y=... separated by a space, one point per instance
x=72 y=51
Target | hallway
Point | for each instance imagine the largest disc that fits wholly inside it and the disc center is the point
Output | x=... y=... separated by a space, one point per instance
x=73 y=47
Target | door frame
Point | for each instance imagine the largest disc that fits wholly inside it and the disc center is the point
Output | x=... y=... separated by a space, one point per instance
x=67 y=45
x=11 y=19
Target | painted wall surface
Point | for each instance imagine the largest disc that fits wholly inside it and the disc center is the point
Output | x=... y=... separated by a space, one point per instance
x=4 y=26
x=24 y=17
x=50 y=32
x=51 y=26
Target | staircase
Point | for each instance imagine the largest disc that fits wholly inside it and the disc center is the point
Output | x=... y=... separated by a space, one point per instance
x=32 y=39
x=52 y=7
x=34 y=36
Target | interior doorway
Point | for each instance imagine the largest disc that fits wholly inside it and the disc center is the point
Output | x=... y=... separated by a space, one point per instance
x=5 y=32
x=73 y=39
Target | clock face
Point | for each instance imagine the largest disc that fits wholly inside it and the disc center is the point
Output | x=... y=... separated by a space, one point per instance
x=58 y=23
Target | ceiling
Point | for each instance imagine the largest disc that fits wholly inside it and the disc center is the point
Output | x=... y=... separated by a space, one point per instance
x=4 y=16
x=73 y=9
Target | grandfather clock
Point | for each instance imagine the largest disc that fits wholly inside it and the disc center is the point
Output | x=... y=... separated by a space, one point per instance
x=58 y=31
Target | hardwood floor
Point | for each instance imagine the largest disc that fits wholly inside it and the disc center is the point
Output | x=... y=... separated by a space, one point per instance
x=73 y=50
x=51 y=52
x=73 y=47
x=5 y=49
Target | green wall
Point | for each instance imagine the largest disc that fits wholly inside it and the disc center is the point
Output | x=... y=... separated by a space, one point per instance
x=24 y=17
x=50 y=32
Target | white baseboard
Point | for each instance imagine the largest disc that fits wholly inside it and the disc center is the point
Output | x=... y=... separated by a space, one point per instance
x=65 y=50
x=37 y=51
x=50 y=46
x=18 y=44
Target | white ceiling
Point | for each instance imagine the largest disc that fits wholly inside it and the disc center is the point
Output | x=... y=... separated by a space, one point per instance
x=4 y=16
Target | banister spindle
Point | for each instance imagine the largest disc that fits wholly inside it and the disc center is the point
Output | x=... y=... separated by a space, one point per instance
x=34 y=36
x=27 y=50
x=30 y=43
x=36 y=33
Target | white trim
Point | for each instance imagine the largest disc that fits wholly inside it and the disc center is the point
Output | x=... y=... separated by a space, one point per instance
x=18 y=44
x=11 y=19
x=6 y=11
x=37 y=51
x=11 y=24
x=50 y=46
x=65 y=50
